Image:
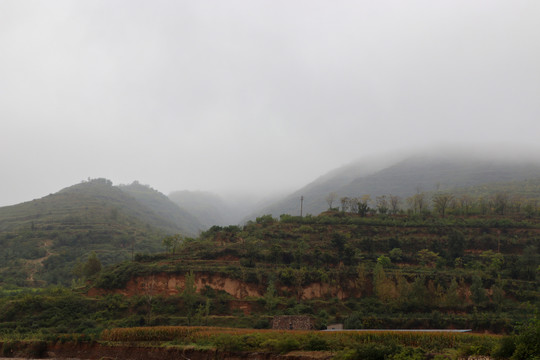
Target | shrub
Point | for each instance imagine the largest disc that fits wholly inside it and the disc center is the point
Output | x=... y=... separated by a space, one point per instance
x=505 y=348
x=286 y=344
x=316 y=342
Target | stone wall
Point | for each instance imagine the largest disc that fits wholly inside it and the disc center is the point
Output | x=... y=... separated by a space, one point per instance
x=293 y=322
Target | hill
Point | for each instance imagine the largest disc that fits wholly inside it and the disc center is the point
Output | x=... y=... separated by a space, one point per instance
x=420 y=173
x=380 y=271
x=42 y=240
x=178 y=218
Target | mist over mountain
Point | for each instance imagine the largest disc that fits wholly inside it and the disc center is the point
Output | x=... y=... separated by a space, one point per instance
x=427 y=172
x=208 y=208
x=212 y=209
x=185 y=222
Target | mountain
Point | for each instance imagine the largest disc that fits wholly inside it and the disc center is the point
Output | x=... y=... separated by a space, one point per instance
x=207 y=207
x=404 y=178
x=211 y=209
x=42 y=240
x=185 y=222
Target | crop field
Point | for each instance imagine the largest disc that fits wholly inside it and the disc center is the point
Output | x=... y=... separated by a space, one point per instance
x=282 y=341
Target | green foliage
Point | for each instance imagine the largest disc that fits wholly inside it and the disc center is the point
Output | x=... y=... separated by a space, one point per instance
x=189 y=295
x=396 y=254
x=527 y=342
x=478 y=293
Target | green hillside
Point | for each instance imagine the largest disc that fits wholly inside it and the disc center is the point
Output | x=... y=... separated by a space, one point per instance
x=41 y=240
x=402 y=271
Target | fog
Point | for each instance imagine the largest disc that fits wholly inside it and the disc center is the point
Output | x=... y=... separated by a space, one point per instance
x=255 y=97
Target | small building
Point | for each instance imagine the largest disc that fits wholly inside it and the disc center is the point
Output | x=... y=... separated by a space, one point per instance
x=293 y=322
x=335 y=327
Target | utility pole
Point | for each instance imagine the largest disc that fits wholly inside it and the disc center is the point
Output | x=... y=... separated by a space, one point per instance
x=301 y=204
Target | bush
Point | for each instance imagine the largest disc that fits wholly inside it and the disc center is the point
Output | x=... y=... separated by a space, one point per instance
x=286 y=344
x=527 y=344
x=371 y=351
x=505 y=348
x=316 y=342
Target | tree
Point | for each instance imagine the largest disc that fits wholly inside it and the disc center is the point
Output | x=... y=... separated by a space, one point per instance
x=353 y=205
x=189 y=295
x=497 y=293
x=396 y=254
x=172 y=242
x=500 y=202
x=484 y=205
x=465 y=203
x=417 y=202
x=92 y=265
x=344 y=203
x=330 y=199
x=384 y=287
x=427 y=258
x=363 y=205
x=478 y=293
x=382 y=204
x=270 y=297
x=338 y=243
x=441 y=202
x=527 y=344
x=384 y=261
x=530 y=208
x=452 y=298
x=394 y=203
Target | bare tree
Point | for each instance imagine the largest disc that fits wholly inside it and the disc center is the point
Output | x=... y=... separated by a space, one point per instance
x=363 y=205
x=465 y=203
x=500 y=201
x=441 y=202
x=344 y=203
x=394 y=203
x=417 y=202
x=353 y=205
x=484 y=205
x=382 y=204
x=330 y=199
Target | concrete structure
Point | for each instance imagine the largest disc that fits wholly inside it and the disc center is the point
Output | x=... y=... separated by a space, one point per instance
x=335 y=327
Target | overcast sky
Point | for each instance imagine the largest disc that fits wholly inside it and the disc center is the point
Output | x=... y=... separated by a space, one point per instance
x=255 y=96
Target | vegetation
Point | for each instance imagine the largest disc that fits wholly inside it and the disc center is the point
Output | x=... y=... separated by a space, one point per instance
x=447 y=261
x=43 y=241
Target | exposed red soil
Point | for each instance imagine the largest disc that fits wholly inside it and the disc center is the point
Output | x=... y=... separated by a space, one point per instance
x=171 y=284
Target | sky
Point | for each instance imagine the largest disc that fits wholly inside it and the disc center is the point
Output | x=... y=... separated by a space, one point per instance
x=252 y=96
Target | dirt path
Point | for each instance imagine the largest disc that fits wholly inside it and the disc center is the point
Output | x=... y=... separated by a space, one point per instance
x=35 y=264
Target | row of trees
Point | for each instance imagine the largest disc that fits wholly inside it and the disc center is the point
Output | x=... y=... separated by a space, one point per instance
x=500 y=203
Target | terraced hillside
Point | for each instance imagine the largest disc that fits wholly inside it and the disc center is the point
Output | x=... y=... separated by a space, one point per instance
x=379 y=271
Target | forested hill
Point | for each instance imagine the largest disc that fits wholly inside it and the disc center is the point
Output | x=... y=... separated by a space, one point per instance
x=41 y=240
x=417 y=174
